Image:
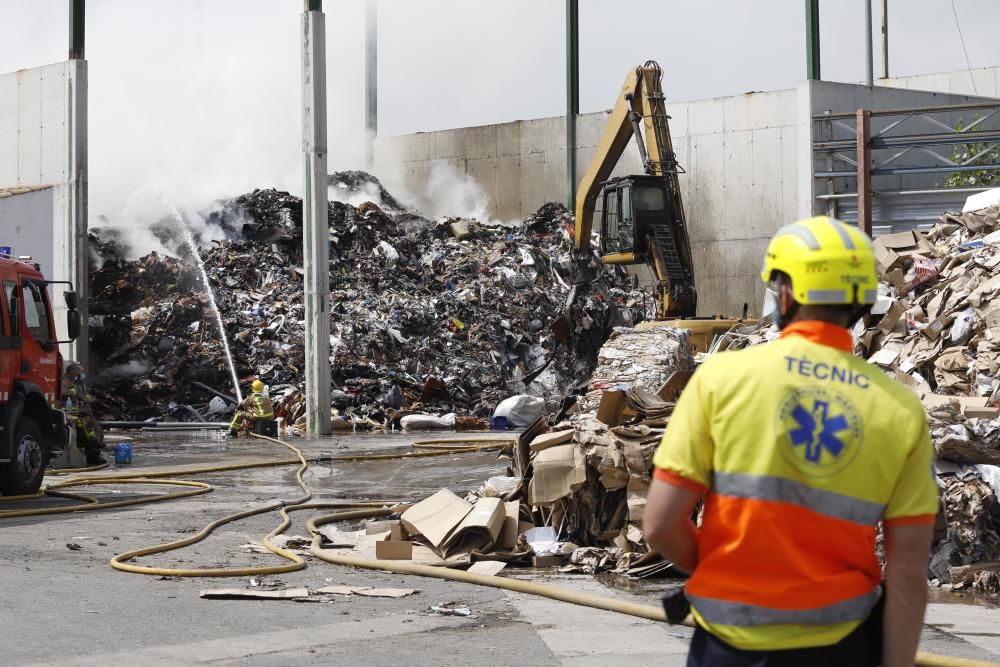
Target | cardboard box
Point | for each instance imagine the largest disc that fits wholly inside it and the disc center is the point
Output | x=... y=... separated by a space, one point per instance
x=934 y=329
x=890 y=249
x=479 y=529
x=393 y=550
x=891 y=317
x=546 y=440
x=435 y=517
x=557 y=472
x=548 y=561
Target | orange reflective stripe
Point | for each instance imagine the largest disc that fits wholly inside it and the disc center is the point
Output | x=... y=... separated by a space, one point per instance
x=777 y=567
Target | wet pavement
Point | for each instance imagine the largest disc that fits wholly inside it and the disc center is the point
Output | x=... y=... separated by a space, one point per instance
x=109 y=617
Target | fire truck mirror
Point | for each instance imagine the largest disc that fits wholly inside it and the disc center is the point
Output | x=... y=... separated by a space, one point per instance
x=73 y=323
x=72 y=301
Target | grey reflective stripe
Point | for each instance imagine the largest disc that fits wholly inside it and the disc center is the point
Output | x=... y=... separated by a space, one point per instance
x=827 y=296
x=845 y=236
x=828 y=503
x=871 y=295
x=800 y=231
x=742 y=614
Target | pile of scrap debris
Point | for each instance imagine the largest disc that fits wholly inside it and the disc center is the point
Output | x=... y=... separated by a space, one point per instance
x=438 y=317
x=936 y=329
x=575 y=492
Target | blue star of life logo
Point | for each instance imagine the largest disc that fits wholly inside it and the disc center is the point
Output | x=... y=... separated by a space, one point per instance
x=820 y=429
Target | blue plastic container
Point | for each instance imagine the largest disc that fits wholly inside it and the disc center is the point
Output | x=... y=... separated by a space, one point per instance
x=499 y=423
x=123 y=453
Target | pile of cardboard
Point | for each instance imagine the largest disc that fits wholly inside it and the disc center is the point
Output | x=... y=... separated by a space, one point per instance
x=936 y=329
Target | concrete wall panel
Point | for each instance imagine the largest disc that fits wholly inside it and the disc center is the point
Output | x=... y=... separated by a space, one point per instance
x=29 y=128
x=8 y=130
x=26 y=223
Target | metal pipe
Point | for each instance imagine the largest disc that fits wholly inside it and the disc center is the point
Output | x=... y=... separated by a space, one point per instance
x=77 y=29
x=900 y=171
x=907 y=110
x=812 y=40
x=165 y=426
x=371 y=80
x=869 y=65
x=572 y=97
x=904 y=193
x=885 y=39
x=214 y=392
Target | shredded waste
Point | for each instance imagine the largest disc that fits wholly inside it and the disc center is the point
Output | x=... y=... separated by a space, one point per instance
x=445 y=318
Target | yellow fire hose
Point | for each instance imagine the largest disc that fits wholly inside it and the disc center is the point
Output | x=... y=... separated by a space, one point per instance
x=346 y=511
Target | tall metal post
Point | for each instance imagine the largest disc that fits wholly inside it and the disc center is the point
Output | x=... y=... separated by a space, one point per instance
x=812 y=39
x=77 y=26
x=371 y=80
x=869 y=65
x=315 y=220
x=863 y=130
x=74 y=266
x=572 y=97
x=885 y=39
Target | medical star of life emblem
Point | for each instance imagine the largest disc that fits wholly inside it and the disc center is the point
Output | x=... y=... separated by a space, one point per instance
x=819 y=431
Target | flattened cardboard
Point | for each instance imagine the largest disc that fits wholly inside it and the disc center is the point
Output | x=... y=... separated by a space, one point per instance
x=934 y=329
x=891 y=317
x=508 y=536
x=611 y=407
x=389 y=550
x=435 y=517
x=674 y=385
x=376 y=527
x=479 y=530
x=488 y=567
x=244 y=594
x=971 y=412
x=546 y=440
x=558 y=471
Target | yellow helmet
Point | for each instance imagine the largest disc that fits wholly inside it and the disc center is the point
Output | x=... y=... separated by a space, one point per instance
x=257 y=386
x=828 y=262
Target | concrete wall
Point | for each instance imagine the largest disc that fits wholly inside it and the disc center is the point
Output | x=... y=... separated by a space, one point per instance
x=748 y=160
x=19 y=217
x=43 y=142
x=959 y=82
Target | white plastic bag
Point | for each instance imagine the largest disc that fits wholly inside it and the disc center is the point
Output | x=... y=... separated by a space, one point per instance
x=520 y=410
x=421 y=421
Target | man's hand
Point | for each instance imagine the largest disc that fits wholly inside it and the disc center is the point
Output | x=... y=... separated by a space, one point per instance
x=907 y=549
x=667 y=524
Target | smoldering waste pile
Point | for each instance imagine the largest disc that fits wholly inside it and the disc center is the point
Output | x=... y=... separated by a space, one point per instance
x=447 y=316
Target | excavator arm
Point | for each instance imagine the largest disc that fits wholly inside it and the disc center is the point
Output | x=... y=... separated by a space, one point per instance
x=659 y=232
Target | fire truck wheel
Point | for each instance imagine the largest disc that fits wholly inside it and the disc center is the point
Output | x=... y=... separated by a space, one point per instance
x=23 y=474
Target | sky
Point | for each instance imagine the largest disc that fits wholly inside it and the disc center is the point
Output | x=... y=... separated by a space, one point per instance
x=201 y=98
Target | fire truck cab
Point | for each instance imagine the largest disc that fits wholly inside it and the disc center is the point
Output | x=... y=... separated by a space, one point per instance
x=32 y=427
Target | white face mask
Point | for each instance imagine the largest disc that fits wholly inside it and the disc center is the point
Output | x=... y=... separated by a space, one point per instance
x=770 y=309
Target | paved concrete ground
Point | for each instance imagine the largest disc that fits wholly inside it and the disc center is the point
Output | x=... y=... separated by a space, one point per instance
x=68 y=607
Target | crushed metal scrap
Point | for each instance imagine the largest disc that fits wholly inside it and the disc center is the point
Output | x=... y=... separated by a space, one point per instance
x=442 y=317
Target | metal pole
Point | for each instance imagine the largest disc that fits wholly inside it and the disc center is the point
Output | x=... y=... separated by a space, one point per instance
x=812 y=39
x=869 y=65
x=371 y=81
x=885 y=39
x=77 y=26
x=73 y=267
x=315 y=220
x=864 y=159
x=572 y=97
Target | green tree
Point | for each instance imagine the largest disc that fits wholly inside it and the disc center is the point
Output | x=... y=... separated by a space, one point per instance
x=961 y=153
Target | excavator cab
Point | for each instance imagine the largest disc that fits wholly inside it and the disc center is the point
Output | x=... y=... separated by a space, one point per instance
x=632 y=207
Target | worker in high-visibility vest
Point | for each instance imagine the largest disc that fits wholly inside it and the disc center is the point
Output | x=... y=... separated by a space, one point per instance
x=800 y=449
x=254 y=408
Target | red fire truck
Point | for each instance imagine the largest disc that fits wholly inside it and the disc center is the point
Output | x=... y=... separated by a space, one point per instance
x=32 y=427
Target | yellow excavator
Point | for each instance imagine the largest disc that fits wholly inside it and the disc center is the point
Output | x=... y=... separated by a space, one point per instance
x=642 y=216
